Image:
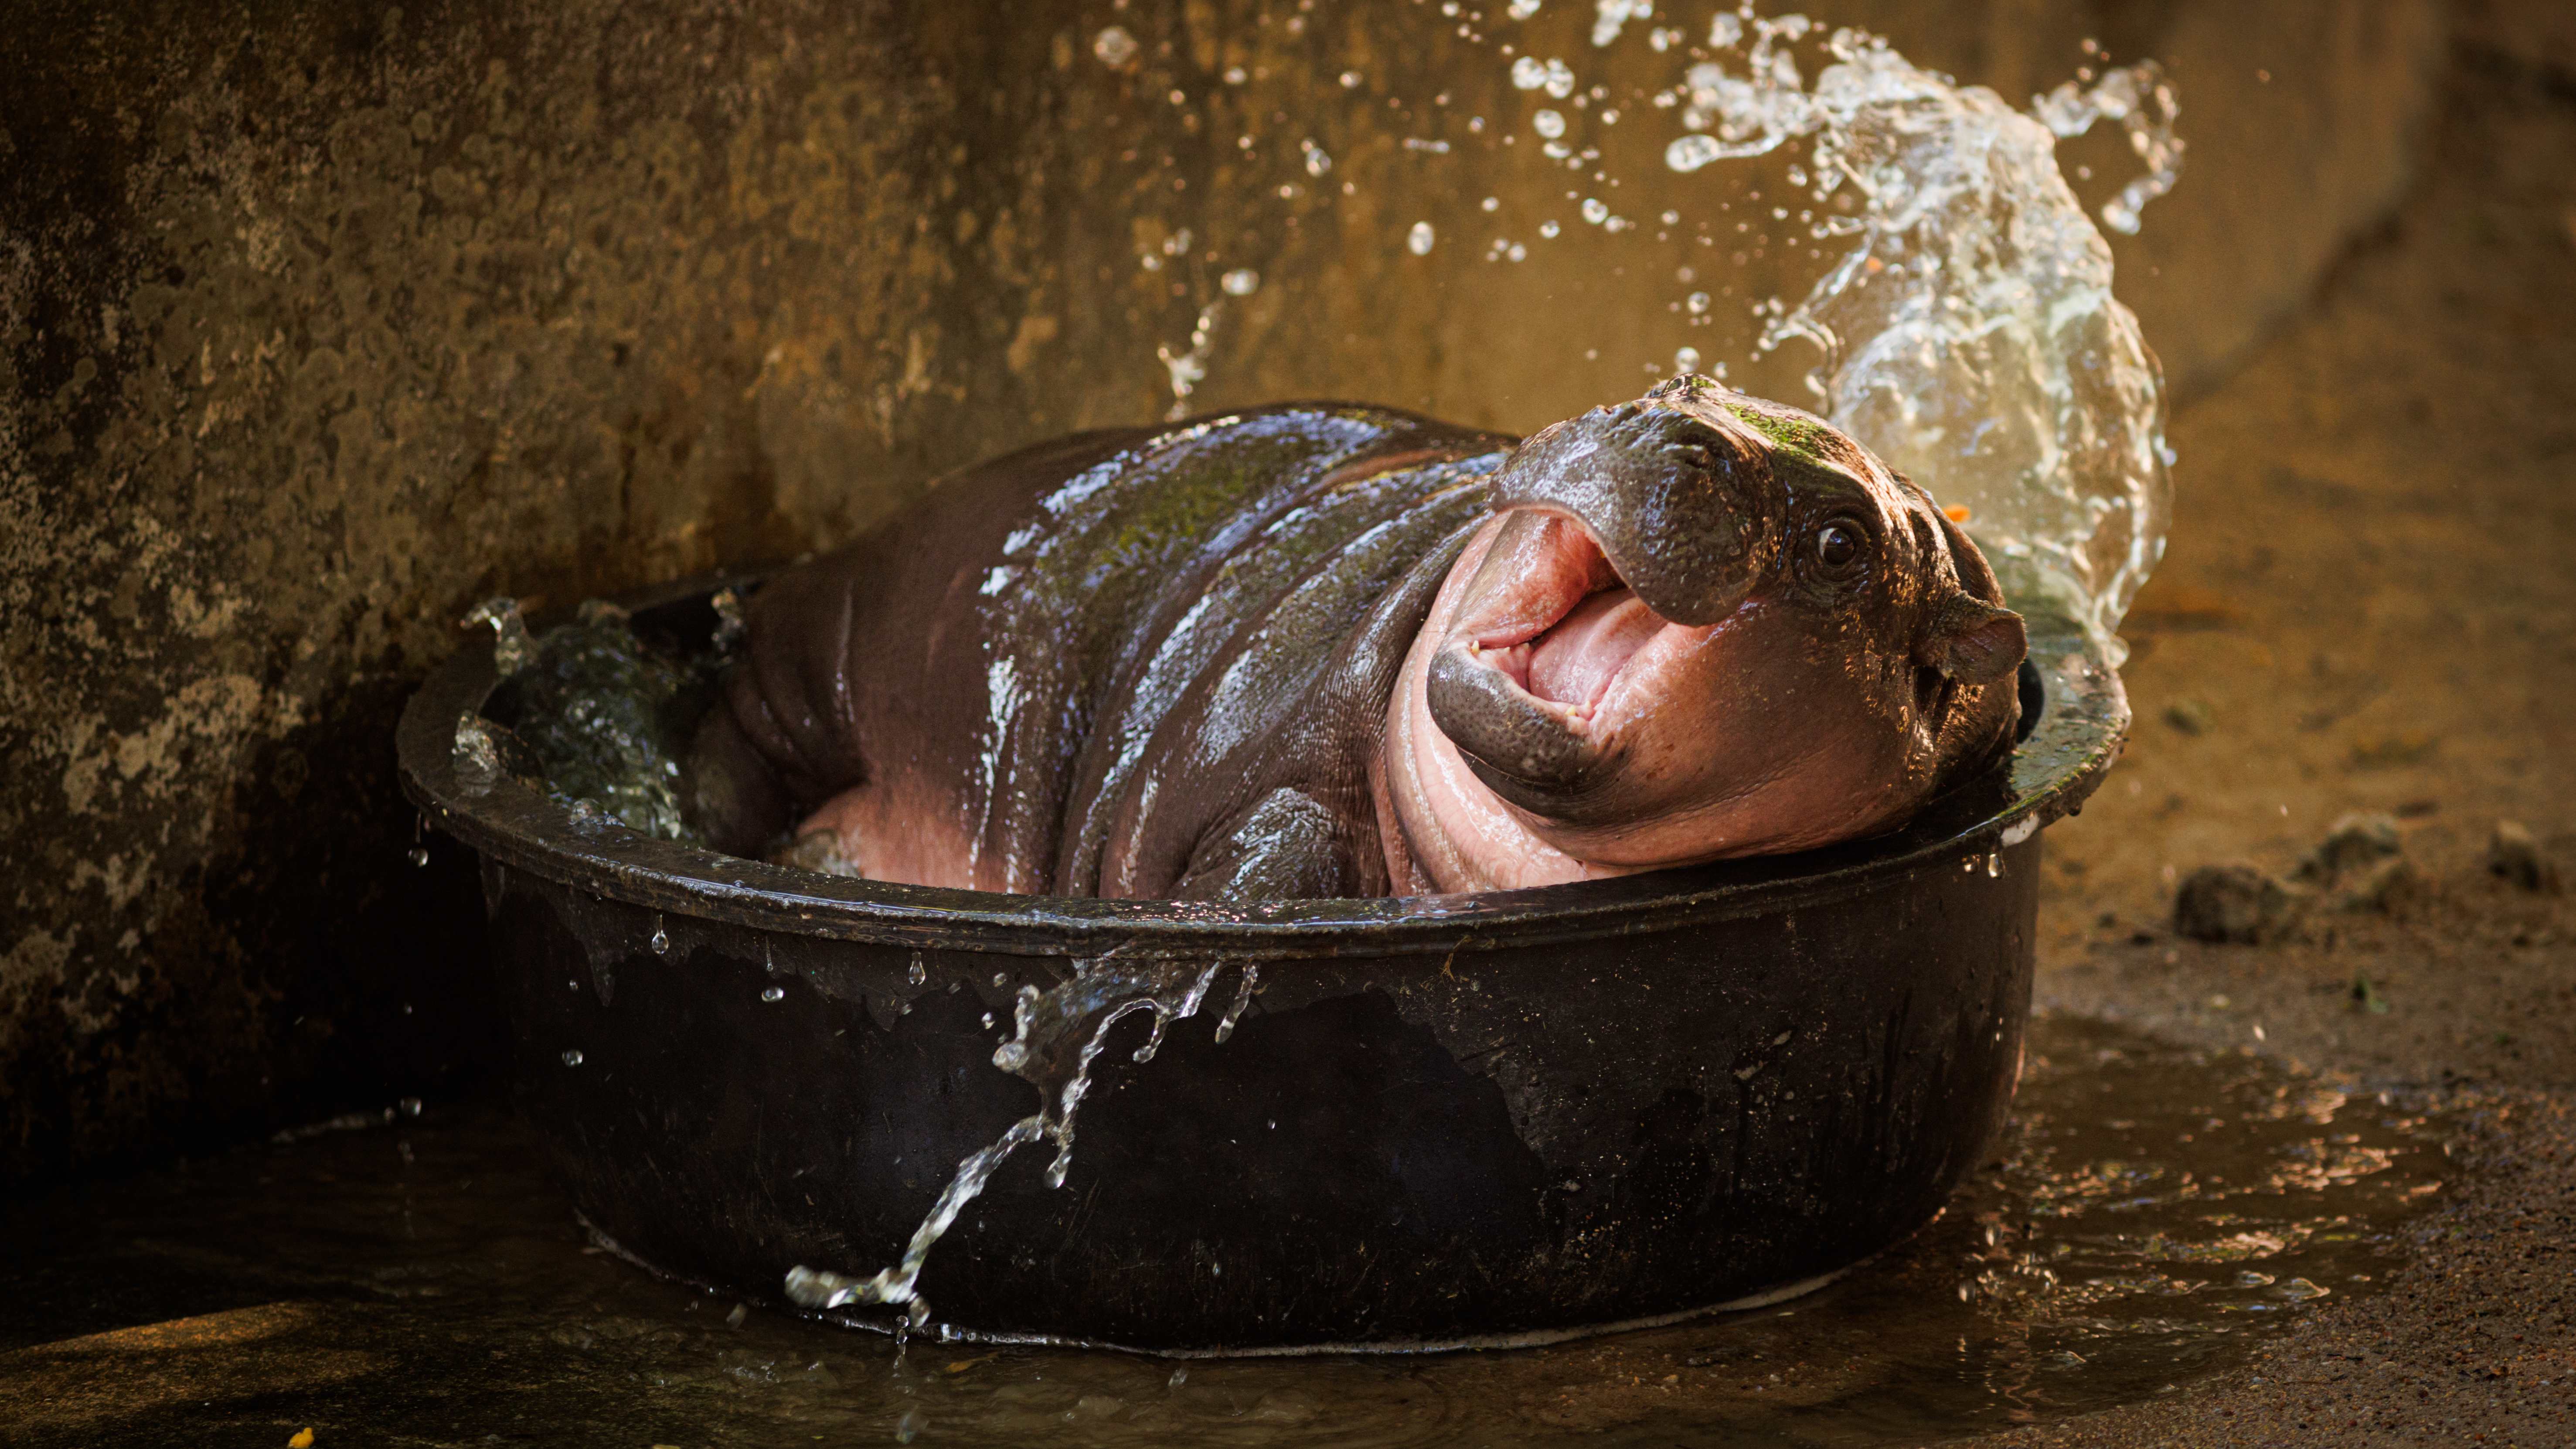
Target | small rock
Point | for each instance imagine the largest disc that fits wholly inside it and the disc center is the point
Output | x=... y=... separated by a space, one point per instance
x=2237 y=902
x=2515 y=855
x=2358 y=840
x=2393 y=885
x=2189 y=716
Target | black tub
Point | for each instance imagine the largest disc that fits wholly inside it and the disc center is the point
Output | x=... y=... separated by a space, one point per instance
x=1479 y=1119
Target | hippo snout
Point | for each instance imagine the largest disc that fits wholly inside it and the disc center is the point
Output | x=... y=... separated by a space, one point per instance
x=1682 y=499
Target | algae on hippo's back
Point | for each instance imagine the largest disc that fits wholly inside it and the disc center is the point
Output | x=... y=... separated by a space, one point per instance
x=606 y=712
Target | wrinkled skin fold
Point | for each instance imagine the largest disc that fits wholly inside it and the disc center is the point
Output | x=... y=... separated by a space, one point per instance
x=1331 y=650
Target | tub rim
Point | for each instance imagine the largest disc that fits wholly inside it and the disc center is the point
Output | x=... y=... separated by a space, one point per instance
x=2056 y=765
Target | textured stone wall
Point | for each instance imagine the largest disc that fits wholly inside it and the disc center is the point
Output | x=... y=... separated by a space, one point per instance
x=319 y=322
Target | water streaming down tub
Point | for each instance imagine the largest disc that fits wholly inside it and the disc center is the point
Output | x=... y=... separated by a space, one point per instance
x=1968 y=333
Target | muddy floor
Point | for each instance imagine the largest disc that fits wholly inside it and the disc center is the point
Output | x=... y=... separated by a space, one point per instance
x=2370 y=605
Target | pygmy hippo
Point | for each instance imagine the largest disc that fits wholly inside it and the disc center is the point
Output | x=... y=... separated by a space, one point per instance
x=1331 y=650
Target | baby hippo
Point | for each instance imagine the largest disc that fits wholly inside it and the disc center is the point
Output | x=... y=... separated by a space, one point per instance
x=1329 y=650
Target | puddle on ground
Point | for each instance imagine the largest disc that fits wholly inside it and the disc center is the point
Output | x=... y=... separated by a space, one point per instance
x=2155 y=1213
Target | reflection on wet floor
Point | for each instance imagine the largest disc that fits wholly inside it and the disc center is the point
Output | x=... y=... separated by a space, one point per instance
x=2155 y=1213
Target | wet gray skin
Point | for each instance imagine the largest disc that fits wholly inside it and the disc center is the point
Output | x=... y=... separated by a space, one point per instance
x=1162 y=663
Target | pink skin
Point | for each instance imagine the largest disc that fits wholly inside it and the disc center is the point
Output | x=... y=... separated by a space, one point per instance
x=1695 y=711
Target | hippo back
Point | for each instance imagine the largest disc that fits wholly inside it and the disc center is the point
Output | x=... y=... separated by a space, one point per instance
x=1069 y=654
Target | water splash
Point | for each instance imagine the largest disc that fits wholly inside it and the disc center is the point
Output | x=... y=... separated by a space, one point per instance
x=511 y=649
x=1057 y=1035
x=1189 y=369
x=1969 y=336
x=2142 y=101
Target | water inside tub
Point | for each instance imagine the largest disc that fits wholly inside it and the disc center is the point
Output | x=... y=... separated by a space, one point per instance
x=2152 y=1214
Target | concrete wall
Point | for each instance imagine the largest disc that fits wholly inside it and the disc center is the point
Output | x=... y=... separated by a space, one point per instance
x=319 y=322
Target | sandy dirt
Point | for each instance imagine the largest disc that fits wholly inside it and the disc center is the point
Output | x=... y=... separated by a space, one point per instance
x=2370 y=605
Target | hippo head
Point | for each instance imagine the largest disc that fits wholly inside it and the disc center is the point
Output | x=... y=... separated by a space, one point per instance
x=1700 y=625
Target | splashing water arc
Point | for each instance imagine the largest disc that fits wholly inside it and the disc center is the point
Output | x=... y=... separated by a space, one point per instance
x=1968 y=335
x=1971 y=337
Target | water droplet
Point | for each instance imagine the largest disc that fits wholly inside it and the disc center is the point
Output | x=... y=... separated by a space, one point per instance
x=419 y=855
x=907 y=1428
x=1418 y=241
x=1241 y=282
x=1114 y=46
x=1492 y=203
x=661 y=942
x=572 y=1058
x=1689 y=153
x=1547 y=228
x=1995 y=864
x=512 y=649
x=1595 y=210
x=918 y=974
x=1350 y=80
x=1550 y=124
x=1686 y=360
x=773 y=993
x=988 y=1021
x=1522 y=9
x=1529 y=72
x=1697 y=302
x=1317 y=162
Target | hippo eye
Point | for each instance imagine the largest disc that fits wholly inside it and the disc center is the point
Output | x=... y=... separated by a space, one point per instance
x=1837 y=544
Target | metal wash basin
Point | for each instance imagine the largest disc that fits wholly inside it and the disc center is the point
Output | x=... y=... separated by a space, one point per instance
x=1442 y=1121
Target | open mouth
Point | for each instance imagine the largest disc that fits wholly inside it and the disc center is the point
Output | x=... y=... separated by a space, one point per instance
x=1574 y=660
x=1565 y=627
x=1551 y=653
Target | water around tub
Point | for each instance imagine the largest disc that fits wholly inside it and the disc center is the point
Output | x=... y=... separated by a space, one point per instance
x=2153 y=1214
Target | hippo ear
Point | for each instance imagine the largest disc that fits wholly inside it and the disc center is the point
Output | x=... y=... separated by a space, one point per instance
x=1973 y=641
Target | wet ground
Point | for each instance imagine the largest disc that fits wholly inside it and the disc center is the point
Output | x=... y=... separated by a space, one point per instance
x=2370 y=604
x=2154 y=1213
